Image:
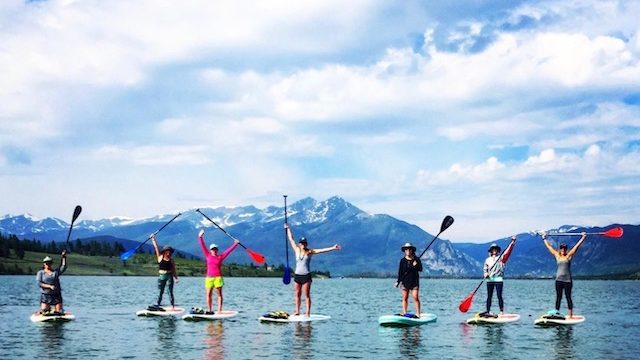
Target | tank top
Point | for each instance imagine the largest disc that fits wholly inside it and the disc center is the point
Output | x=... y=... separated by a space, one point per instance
x=564 y=270
x=302 y=264
x=165 y=265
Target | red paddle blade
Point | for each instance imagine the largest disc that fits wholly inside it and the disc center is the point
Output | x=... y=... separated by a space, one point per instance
x=614 y=233
x=465 y=305
x=258 y=258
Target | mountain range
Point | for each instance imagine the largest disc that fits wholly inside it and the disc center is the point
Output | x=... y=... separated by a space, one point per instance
x=370 y=242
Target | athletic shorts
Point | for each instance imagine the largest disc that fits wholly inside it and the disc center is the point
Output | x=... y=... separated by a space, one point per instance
x=302 y=279
x=51 y=299
x=213 y=282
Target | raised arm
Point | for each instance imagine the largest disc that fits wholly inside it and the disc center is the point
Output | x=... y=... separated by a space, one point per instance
x=290 y=238
x=155 y=245
x=577 y=245
x=203 y=247
x=63 y=262
x=230 y=249
x=327 y=249
x=549 y=247
x=507 y=252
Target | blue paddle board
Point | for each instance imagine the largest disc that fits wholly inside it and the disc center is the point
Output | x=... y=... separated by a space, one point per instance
x=404 y=321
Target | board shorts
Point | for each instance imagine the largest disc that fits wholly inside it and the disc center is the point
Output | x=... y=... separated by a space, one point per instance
x=51 y=299
x=213 y=282
x=302 y=279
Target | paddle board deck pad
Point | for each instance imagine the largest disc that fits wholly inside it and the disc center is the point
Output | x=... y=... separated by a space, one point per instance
x=404 y=320
x=496 y=319
x=52 y=317
x=283 y=317
x=160 y=311
x=196 y=315
x=553 y=320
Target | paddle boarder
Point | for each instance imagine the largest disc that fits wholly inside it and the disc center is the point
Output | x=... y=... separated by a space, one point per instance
x=49 y=283
x=409 y=278
x=493 y=271
x=166 y=270
x=302 y=273
x=214 y=280
x=564 y=282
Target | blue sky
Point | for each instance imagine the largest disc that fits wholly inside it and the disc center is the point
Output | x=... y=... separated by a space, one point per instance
x=510 y=117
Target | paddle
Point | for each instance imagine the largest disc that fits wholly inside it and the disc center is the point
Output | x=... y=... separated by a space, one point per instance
x=466 y=303
x=76 y=213
x=127 y=254
x=286 y=277
x=446 y=222
x=257 y=257
x=615 y=232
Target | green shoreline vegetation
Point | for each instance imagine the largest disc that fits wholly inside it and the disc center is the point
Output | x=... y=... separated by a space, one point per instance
x=24 y=257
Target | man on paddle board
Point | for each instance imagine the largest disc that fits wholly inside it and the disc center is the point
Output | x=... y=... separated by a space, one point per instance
x=49 y=283
x=214 y=280
x=302 y=273
x=564 y=282
x=494 y=270
x=166 y=270
x=409 y=277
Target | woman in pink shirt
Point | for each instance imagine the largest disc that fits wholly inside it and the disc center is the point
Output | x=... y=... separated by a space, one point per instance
x=214 y=268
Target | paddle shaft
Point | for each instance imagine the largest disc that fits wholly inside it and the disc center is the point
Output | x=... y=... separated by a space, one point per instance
x=76 y=213
x=286 y=276
x=223 y=230
x=128 y=253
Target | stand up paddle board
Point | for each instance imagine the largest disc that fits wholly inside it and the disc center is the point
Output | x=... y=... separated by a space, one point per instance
x=554 y=320
x=404 y=320
x=283 y=317
x=52 y=317
x=160 y=311
x=200 y=315
x=496 y=319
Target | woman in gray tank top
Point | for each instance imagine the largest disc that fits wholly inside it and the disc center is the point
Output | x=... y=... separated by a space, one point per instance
x=302 y=274
x=564 y=281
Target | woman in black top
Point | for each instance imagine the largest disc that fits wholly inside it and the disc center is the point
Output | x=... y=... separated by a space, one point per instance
x=166 y=270
x=409 y=277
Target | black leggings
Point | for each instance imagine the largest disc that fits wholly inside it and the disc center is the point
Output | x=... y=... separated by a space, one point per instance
x=498 y=286
x=560 y=285
x=161 y=284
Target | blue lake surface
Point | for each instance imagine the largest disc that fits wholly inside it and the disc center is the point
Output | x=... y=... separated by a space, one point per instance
x=106 y=326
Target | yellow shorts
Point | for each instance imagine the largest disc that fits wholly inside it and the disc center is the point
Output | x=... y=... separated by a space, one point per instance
x=213 y=282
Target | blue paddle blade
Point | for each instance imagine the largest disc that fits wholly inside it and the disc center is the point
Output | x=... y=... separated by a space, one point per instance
x=286 y=279
x=127 y=254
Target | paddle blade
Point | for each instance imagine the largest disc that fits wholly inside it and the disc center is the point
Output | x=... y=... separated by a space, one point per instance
x=127 y=254
x=614 y=233
x=76 y=213
x=286 y=278
x=465 y=305
x=446 y=222
x=258 y=258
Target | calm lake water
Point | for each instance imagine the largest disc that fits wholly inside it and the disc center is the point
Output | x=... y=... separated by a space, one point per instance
x=106 y=326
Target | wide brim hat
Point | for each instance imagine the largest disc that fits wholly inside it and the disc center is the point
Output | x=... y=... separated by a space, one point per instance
x=494 y=246
x=408 y=246
x=47 y=259
x=167 y=248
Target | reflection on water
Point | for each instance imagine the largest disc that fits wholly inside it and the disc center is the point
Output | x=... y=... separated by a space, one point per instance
x=52 y=339
x=302 y=340
x=494 y=339
x=564 y=342
x=214 y=340
x=410 y=341
x=166 y=333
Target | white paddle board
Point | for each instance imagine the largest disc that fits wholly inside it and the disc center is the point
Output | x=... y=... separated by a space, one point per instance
x=224 y=314
x=163 y=311
x=544 y=320
x=500 y=319
x=52 y=317
x=404 y=321
x=295 y=318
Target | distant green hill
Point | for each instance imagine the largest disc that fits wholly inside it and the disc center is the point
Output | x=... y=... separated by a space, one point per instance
x=137 y=265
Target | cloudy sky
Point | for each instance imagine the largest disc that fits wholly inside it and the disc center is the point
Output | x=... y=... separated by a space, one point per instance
x=509 y=116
